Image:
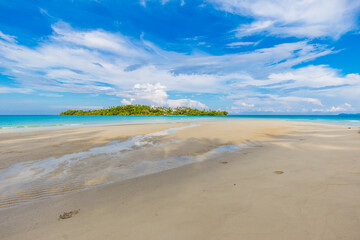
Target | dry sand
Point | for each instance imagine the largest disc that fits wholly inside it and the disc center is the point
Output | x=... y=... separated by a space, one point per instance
x=301 y=182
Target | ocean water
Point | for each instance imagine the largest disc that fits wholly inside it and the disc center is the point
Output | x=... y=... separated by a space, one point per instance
x=20 y=122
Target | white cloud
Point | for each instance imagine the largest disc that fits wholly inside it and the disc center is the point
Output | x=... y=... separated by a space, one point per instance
x=342 y=108
x=240 y=44
x=50 y=95
x=96 y=39
x=305 y=18
x=127 y=102
x=314 y=76
x=150 y=93
x=14 y=90
x=297 y=89
x=7 y=38
x=299 y=99
x=186 y=103
x=275 y=103
x=320 y=78
x=80 y=61
x=254 y=27
x=80 y=107
x=156 y=94
x=100 y=62
x=247 y=105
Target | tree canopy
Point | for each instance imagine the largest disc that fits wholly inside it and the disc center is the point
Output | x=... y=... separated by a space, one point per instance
x=145 y=110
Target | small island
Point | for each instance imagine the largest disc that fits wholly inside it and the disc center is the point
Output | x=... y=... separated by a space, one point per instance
x=145 y=110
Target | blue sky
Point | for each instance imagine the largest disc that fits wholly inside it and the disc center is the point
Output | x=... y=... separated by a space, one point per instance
x=247 y=57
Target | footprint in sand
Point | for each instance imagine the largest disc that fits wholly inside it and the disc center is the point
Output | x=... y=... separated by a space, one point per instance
x=278 y=172
x=67 y=215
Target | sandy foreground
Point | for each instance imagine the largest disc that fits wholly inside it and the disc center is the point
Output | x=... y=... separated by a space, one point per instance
x=298 y=181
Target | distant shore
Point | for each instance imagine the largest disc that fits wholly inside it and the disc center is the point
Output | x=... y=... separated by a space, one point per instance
x=146 y=110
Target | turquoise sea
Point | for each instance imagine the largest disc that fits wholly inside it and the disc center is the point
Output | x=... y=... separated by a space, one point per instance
x=18 y=122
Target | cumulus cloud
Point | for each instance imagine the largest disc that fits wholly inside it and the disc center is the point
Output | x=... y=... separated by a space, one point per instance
x=247 y=104
x=185 y=102
x=148 y=93
x=156 y=95
x=127 y=101
x=315 y=18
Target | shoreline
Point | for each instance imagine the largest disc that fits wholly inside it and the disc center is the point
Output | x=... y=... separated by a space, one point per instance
x=90 y=125
x=298 y=185
x=84 y=138
x=60 y=126
x=61 y=161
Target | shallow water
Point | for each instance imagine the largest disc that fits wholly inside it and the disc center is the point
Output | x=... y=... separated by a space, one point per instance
x=28 y=181
x=17 y=122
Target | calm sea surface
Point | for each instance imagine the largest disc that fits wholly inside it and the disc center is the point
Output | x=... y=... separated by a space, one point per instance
x=13 y=122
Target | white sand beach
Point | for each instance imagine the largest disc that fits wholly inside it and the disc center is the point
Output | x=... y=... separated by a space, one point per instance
x=285 y=180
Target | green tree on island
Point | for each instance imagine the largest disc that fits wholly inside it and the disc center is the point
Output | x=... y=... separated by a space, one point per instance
x=145 y=110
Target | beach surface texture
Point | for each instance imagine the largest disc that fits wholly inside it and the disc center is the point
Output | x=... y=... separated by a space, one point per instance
x=253 y=180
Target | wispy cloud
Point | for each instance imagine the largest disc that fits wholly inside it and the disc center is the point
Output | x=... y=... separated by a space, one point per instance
x=7 y=38
x=241 y=44
x=14 y=90
x=317 y=18
x=50 y=95
x=297 y=89
x=98 y=61
x=346 y=107
x=76 y=107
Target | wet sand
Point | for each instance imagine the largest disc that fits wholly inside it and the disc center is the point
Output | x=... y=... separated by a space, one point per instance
x=300 y=181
